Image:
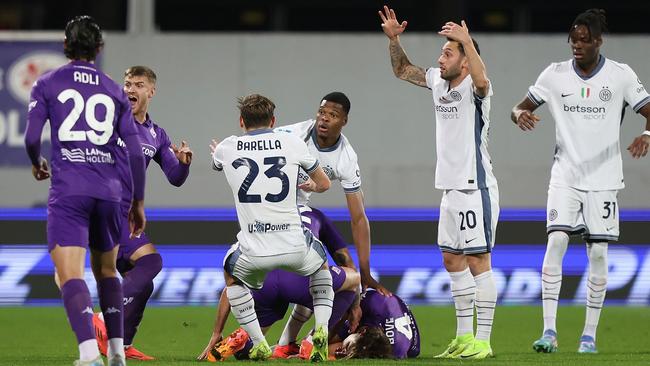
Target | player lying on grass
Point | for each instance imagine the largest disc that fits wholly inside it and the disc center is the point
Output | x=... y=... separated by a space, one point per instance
x=271 y=303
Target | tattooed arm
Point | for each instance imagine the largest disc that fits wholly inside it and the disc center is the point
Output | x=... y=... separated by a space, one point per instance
x=402 y=67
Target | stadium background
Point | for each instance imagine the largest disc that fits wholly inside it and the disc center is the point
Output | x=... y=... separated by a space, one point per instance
x=206 y=58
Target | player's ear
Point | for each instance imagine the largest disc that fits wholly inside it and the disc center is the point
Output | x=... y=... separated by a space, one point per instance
x=272 y=122
x=152 y=92
x=241 y=123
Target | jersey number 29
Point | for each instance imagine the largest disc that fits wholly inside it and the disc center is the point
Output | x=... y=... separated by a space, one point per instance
x=275 y=171
x=105 y=126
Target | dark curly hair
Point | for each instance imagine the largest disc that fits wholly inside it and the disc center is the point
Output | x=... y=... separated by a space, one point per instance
x=595 y=21
x=83 y=38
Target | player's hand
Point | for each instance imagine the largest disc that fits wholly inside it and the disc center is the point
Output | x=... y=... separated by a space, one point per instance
x=527 y=120
x=216 y=338
x=392 y=28
x=308 y=186
x=354 y=317
x=213 y=146
x=639 y=146
x=42 y=171
x=183 y=153
x=458 y=33
x=368 y=281
x=137 y=219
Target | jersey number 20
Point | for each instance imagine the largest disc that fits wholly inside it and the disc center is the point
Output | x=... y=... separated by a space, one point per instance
x=275 y=171
x=105 y=127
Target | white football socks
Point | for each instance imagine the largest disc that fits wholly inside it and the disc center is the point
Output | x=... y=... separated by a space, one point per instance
x=322 y=293
x=242 y=306
x=463 y=289
x=486 y=301
x=558 y=242
x=298 y=318
x=596 y=286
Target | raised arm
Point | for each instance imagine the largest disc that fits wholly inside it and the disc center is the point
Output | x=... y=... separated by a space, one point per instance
x=318 y=181
x=477 y=72
x=175 y=162
x=522 y=114
x=402 y=67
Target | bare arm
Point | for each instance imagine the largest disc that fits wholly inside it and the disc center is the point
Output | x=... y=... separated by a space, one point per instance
x=477 y=72
x=318 y=182
x=361 y=238
x=402 y=67
x=223 y=310
x=639 y=146
x=522 y=114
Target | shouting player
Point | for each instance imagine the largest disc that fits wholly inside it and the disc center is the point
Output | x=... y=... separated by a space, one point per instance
x=587 y=96
x=137 y=260
x=87 y=112
x=262 y=167
x=469 y=209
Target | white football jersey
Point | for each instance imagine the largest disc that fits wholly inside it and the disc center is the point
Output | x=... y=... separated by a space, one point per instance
x=339 y=161
x=262 y=170
x=462 y=129
x=588 y=112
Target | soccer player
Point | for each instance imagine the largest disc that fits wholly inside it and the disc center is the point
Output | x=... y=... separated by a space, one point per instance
x=87 y=112
x=587 y=96
x=137 y=259
x=469 y=209
x=271 y=303
x=261 y=167
x=395 y=321
x=325 y=140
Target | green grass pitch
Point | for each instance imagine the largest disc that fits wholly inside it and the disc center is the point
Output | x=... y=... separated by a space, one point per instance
x=175 y=335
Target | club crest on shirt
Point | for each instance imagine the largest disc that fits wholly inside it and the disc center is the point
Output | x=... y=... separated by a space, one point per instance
x=153 y=132
x=453 y=96
x=552 y=215
x=329 y=171
x=605 y=94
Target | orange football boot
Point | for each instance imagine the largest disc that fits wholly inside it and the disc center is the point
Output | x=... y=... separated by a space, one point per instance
x=100 y=334
x=285 y=351
x=133 y=354
x=234 y=343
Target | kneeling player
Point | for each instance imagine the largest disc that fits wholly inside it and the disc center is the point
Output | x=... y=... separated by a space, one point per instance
x=271 y=303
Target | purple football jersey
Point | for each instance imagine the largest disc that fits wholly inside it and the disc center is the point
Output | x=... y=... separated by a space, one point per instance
x=87 y=112
x=394 y=317
x=156 y=146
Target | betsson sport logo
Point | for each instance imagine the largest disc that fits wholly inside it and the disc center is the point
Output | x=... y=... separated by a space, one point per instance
x=26 y=70
x=265 y=227
x=588 y=111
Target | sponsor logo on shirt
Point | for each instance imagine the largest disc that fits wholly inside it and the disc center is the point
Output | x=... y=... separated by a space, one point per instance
x=89 y=155
x=265 y=227
x=148 y=150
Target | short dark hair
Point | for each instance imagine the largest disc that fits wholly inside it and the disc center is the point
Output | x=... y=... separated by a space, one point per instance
x=372 y=343
x=141 y=71
x=462 y=49
x=256 y=110
x=338 y=98
x=83 y=38
x=595 y=21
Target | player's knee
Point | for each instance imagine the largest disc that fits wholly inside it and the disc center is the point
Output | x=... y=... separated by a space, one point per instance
x=598 y=253
x=558 y=242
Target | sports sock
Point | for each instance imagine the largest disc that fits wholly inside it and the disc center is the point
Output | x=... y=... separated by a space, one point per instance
x=463 y=289
x=78 y=307
x=242 y=306
x=299 y=316
x=112 y=305
x=486 y=300
x=322 y=293
x=138 y=287
x=596 y=286
x=552 y=276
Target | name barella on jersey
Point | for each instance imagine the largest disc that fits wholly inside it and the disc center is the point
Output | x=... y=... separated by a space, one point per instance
x=339 y=161
x=588 y=112
x=262 y=170
x=462 y=129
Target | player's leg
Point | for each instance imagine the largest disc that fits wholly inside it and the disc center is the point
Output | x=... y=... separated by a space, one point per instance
x=601 y=216
x=478 y=254
x=564 y=217
x=463 y=287
x=67 y=233
x=105 y=229
x=239 y=270
x=145 y=264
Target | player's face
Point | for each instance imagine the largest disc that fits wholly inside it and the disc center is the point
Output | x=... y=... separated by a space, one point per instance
x=584 y=47
x=450 y=61
x=330 y=119
x=139 y=90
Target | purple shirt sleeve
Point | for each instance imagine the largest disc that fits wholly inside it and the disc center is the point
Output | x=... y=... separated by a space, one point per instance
x=36 y=117
x=126 y=130
x=175 y=171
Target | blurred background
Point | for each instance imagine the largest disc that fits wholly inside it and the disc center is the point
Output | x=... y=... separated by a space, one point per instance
x=207 y=53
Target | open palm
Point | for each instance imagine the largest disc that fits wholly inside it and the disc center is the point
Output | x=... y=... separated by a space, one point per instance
x=389 y=24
